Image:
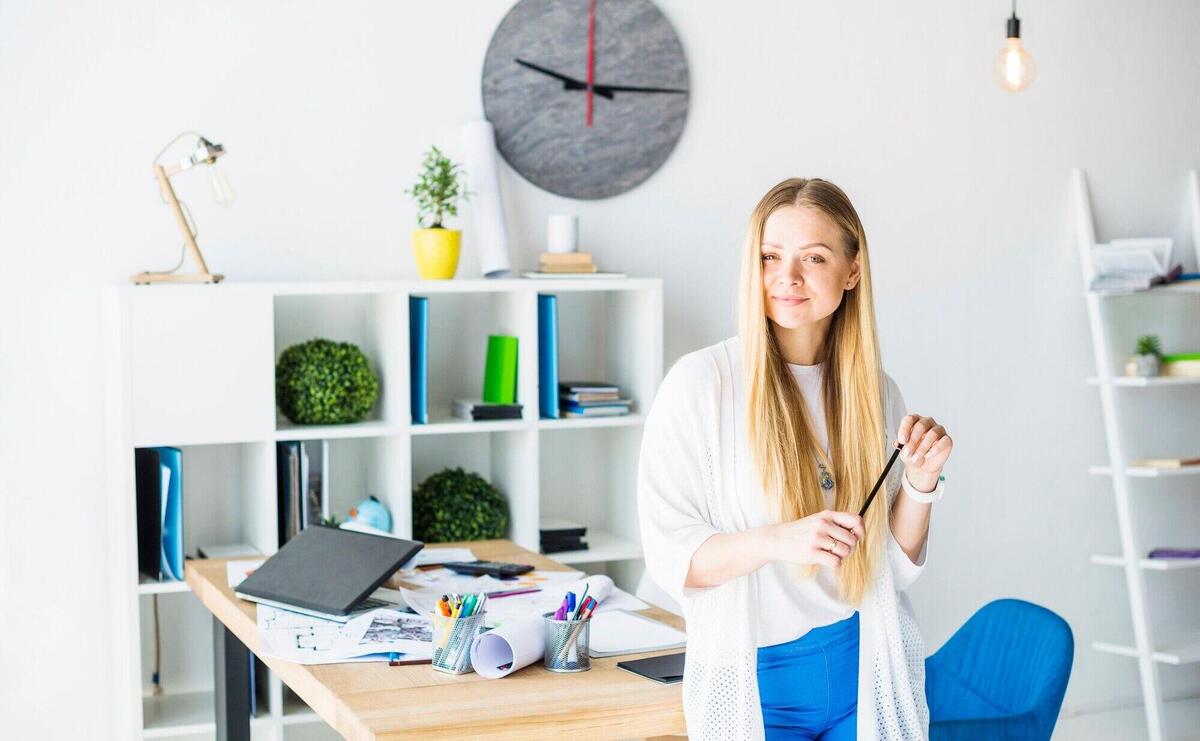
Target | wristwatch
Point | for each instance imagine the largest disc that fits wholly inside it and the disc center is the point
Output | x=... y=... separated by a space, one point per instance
x=921 y=496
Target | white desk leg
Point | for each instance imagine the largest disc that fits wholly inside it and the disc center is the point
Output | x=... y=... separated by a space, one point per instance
x=231 y=674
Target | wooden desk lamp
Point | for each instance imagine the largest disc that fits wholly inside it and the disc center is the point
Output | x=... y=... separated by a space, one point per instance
x=205 y=153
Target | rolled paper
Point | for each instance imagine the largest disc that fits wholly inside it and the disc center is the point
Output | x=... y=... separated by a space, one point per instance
x=511 y=646
x=598 y=586
x=486 y=205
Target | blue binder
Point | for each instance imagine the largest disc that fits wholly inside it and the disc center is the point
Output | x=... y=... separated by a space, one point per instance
x=171 y=461
x=418 y=358
x=548 y=355
x=159 y=482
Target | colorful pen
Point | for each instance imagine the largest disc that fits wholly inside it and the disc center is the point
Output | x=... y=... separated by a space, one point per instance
x=511 y=592
x=582 y=599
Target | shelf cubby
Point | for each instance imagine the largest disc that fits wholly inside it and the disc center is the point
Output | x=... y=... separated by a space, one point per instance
x=459 y=325
x=376 y=323
x=507 y=459
x=589 y=475
x=216 y=509
x=363 y=467
x=599 y=332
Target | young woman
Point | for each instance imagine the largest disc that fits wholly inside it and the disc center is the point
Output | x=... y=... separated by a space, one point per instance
x=757 y=454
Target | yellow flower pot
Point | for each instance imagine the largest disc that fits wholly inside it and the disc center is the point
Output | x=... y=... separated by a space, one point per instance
x=436 y=251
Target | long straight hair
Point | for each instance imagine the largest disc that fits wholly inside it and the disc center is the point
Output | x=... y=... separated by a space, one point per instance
x=782 y=440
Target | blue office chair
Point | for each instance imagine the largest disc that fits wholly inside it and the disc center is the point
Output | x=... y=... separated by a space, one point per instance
x=1001 y=676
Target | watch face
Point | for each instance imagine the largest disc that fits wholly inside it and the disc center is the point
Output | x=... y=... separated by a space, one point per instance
x=588 y=97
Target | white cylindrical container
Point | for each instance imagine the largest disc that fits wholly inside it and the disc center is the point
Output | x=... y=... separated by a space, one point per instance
x=562 y=233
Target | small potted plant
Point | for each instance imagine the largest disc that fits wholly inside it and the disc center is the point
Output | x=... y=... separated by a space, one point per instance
x=1145 y=360
x=437 y=191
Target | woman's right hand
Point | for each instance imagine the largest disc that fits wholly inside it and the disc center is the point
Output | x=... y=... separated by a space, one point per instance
x=823 y=539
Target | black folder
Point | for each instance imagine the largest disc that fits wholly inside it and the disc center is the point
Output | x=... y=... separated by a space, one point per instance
x=327 y=571
x=665 y=669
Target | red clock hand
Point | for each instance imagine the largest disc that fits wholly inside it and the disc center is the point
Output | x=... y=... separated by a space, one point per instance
x=591 y=57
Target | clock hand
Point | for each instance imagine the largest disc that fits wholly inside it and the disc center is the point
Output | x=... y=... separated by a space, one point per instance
x=591 y=58
x=569 y=83
x=601 y=89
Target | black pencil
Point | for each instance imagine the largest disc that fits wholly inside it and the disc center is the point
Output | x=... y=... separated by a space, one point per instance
x=882 y=476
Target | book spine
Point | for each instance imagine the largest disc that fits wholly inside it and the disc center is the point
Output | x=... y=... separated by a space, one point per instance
x=418 y=358
x=548 y=355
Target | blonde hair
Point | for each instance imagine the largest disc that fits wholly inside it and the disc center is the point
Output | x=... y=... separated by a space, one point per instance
x=782 y=441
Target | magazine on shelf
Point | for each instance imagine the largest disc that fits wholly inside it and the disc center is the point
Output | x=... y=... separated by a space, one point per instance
x=1133 y=264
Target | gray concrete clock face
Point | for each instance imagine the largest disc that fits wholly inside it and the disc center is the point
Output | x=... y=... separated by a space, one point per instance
x=535 y=93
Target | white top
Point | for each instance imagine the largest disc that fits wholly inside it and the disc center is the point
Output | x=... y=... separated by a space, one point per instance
x=800 y=605
x=695 y=477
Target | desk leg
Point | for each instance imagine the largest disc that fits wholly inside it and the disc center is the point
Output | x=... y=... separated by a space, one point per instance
x=231 y=672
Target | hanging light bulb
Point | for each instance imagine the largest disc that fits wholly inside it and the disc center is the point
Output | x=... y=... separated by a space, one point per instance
x=1014 y=67
x=222 y=189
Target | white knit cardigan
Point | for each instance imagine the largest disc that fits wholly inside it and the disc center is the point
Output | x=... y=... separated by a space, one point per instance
x=694 y=462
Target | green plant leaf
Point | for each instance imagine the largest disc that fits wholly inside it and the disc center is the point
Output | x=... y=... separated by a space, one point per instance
x=322 y=382
x=439 y=187
x=454 y=504
x=1148 y=345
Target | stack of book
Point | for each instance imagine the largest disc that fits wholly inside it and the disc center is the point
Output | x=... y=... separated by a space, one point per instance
x=1165 y=462
x=1185 y=365
x=591 y=399
x=478 y=410
x=1134 y=264
x=559 y=536
x=567 y=262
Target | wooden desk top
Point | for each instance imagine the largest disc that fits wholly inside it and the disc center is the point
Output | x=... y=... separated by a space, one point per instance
x=376 y=701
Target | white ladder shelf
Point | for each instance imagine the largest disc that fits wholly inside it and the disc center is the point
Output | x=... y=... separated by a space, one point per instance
x=1132 y=557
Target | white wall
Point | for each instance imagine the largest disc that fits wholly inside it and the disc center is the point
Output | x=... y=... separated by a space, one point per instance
x=963 y=189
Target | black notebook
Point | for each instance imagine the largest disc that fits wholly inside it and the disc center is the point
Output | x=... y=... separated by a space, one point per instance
x=326 y=571
x=665 y=669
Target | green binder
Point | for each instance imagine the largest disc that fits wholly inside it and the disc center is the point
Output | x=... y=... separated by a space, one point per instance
x=500 y=373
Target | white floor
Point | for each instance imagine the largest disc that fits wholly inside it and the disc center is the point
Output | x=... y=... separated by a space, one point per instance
x=1129 y=724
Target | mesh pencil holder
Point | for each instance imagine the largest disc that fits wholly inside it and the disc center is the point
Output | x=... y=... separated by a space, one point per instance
x=452 y=638
x=566 y=644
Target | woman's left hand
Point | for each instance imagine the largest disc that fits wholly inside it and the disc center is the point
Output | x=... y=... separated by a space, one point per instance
x=926 y=449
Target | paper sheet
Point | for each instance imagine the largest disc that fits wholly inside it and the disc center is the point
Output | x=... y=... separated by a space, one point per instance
x=303 y=639
x=621 y=632
x=430 y=556
x=436 y=582
x=513 y=645
x=1149 y=257
x=539 y=603
x=237 y=571
x=385 y=631
x=298 y=638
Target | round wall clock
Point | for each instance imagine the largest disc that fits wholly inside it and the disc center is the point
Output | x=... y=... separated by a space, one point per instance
x=588 y=97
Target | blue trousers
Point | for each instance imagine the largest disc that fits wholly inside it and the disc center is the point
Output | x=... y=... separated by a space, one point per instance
x=809 y=686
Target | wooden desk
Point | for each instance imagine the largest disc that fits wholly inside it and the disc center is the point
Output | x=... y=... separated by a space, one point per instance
x=376 y=701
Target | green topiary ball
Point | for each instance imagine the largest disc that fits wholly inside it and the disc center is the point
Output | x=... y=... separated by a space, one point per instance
x=321 y=382
x=456 y=505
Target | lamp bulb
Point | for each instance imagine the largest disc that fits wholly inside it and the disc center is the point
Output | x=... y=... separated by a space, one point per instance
x=1014 y=67
x=222 y=190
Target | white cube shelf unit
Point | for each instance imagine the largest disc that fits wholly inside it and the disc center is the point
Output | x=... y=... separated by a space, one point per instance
x=194 y=366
